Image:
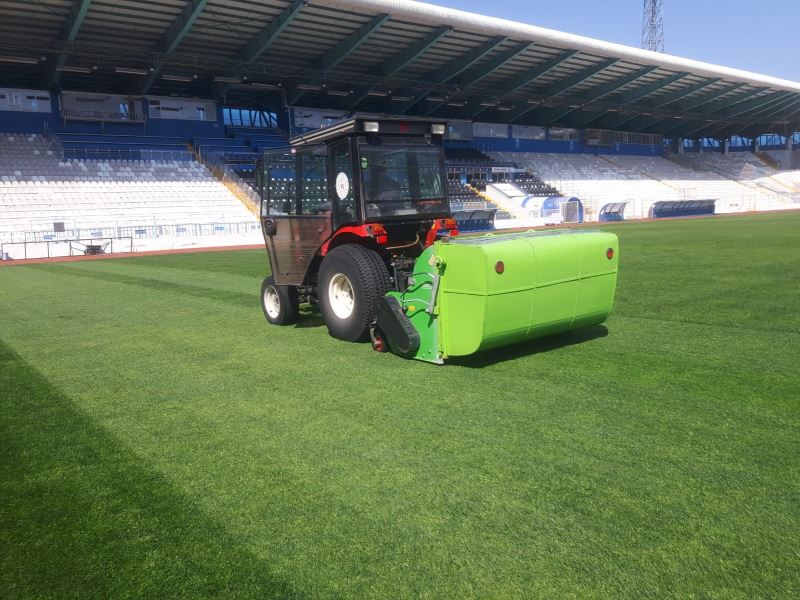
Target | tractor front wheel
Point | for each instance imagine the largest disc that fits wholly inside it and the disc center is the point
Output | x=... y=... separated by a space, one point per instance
x=279 y=302
x=351 y=280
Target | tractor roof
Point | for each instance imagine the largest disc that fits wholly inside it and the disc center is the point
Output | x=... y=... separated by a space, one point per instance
x=410 y=126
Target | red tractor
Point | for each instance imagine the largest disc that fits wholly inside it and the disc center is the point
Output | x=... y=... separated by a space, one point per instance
x=345 y=212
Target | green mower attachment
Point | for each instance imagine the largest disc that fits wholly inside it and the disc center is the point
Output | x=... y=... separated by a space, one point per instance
x=474 y=293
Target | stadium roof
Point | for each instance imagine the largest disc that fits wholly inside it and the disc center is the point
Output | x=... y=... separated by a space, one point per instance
x=382 y=55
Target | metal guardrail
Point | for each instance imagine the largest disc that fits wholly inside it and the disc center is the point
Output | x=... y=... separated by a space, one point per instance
x=102 y=116
x=239 y=187
x=103 y=154
x=135 y=231
x=88 y=248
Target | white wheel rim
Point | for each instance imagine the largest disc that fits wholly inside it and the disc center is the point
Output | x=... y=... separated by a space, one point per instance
x=340 y=295
x=272 y=303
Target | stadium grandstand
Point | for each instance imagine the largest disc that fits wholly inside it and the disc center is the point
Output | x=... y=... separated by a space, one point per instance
x=144 y=121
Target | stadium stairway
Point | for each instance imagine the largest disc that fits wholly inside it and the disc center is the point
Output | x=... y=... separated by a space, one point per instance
x=508 y=197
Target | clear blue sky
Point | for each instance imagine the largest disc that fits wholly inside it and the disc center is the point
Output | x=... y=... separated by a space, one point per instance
x=754 y=35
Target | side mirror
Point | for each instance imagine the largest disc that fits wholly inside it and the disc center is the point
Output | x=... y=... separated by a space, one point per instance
x=270 y=226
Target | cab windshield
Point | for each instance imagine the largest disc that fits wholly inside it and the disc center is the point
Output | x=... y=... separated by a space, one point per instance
x=401 y=178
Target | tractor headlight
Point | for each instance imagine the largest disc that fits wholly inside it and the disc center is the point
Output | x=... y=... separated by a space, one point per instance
x=437 y=129
x=371 y=126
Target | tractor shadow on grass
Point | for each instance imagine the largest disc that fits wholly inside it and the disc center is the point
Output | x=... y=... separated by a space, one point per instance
x=499 y=355
x=309 y=318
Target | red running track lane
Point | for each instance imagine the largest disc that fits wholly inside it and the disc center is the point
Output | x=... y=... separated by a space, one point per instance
x=33 y=261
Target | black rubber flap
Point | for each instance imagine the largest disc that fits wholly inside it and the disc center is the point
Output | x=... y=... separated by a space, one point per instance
x=394 y=324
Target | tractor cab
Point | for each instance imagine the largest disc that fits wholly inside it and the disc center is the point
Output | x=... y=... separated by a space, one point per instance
x=379 y=182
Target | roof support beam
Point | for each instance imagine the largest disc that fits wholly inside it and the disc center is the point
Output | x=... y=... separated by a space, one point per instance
x=678 y=94
x=727 y=129
x=412 y=53
x=563 y=85
x=631 y=96
x=402 y=60
x=697 y=101
x=344 y=48
x=549 y=116
x=265 y=38
x=456 y=67
x=721 y=105
x=472 y=76
x=759 y=104
x=174 y=36
x=688 y=128
x=643 y=121
x=75 y=19
x=526 y=77
x=609 y=88
x=662 y=101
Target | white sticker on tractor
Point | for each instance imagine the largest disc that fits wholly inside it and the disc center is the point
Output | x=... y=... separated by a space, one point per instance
x=342 y=185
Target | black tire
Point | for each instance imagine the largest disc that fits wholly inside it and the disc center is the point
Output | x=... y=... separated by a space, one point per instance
x=288 y=304
x=369 y=280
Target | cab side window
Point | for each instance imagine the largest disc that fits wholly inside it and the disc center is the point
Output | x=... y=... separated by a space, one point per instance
x=295 y=182
x=342 y=182
x=279 y=193
x=312 y=175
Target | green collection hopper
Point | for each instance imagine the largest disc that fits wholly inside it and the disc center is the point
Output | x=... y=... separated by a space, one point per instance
x=475 y=293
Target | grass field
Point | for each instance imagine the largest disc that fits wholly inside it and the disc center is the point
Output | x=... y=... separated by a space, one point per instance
x=159 y=439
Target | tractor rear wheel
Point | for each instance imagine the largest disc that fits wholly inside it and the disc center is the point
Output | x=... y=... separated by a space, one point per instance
x=279 y=302
x=351 y=280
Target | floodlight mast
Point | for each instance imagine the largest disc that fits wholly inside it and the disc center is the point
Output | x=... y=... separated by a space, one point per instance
x=653 y=26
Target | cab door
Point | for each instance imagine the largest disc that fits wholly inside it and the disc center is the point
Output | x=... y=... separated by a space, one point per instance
x=296 y=213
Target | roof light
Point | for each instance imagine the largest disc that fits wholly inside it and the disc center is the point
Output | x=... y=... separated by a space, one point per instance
x=222 y=79
x=130 y=71
x=338 y=93
x=371 y=126
x=20 y=60
x=180 y=78
x=456 y=103
x=401 y=98
x=308 y=87
x=377 y=93
x=438 y=129
x=68 y=69
x=435 y=99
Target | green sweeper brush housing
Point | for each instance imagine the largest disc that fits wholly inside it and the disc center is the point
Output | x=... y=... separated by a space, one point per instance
x=357 y=221
x=475 y=293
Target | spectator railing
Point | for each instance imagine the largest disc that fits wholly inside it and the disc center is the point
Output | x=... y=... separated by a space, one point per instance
x=106 y=245
x=101 y=116
x=133 y=231
x=216 y=163
x=109 y=154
